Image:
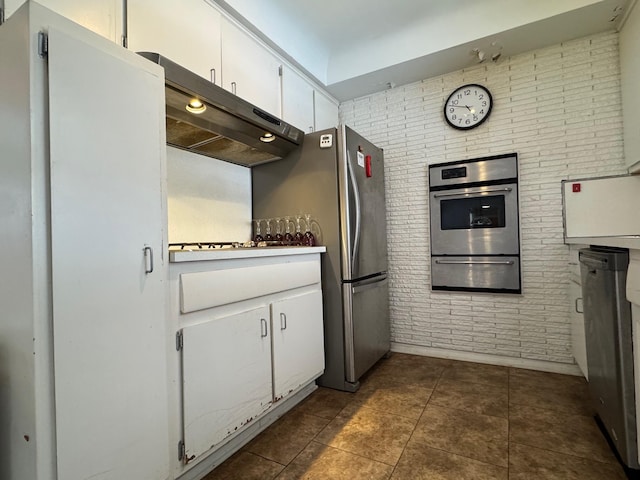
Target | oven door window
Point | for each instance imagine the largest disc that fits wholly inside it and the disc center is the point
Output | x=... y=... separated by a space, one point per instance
x=475 y=212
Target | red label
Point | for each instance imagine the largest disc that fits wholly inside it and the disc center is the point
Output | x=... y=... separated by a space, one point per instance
x=367 y=165
x=575 y=187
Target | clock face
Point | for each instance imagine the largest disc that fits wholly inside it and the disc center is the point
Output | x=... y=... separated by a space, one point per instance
x=468 y=106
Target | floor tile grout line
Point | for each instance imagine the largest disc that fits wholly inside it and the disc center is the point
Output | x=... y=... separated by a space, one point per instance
x=508 y=423
x=418 y=421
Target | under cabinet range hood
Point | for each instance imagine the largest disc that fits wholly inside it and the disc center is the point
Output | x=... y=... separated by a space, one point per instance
x=207 y=119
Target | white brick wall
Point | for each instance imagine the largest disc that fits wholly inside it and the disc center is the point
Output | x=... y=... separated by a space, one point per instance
x=559 y=109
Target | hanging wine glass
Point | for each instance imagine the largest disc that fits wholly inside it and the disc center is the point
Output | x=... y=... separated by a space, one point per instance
x=288 y=236
x=309 y=239
x=279 y=237
x=298 y=237
x=258 y=234
x=268 y=237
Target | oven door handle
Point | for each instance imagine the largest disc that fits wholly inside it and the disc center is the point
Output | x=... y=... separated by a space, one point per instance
x=475 y=192
x=472 y=262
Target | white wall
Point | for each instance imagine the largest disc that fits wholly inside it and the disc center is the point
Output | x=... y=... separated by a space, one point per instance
x=559 y=108
x=208 y=199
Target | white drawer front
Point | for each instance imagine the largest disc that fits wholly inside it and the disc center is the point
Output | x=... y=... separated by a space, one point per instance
x=202 y=290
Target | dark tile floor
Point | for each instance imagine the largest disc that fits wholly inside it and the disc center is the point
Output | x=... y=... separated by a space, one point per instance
x=427 y=418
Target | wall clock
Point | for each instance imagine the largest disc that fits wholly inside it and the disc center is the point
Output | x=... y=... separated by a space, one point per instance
x=468 y=106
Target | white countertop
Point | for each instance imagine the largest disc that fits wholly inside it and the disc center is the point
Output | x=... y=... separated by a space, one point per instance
x=621 y=241
x=232 y=253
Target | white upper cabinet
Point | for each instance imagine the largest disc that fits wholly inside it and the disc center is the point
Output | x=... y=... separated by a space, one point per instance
x=297 y=101
x=326 y=111
x=249 y=70
x=185 y=31
x=630 y=78
x=305 y=106
x=100 y=16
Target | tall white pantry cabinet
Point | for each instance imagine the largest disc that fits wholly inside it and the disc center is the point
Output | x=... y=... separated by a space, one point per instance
x=83 y=340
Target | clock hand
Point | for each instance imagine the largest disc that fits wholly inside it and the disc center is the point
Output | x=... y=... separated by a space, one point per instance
x=461 y=106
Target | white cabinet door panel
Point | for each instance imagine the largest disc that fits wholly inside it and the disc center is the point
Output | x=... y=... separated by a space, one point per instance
x=226 y=366
x=249 y=70
x=185 y=31
x=298 y=342
x=297 y=100
x=326 y=112
x=109 y=318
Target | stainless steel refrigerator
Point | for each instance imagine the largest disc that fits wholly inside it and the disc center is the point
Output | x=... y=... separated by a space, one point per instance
x=337 y=176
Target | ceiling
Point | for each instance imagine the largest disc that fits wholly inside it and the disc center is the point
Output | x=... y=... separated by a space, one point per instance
x=358 y=47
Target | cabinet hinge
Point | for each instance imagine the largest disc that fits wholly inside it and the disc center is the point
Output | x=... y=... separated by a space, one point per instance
x=1 y=13
x=43 y=44
x=181 y=450
x=280 y=71
x=179 y=341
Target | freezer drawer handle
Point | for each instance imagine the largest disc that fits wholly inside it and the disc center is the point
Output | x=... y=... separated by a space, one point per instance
x=472 y=262
x=578 y=310
x=263 y=328
x=475 y=192
x=367 y=286
x=283 y=321
x=148 y=259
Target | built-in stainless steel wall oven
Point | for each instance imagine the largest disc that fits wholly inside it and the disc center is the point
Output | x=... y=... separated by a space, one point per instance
x=475 y=234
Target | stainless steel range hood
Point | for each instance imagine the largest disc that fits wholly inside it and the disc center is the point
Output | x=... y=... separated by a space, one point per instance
x=228 y=127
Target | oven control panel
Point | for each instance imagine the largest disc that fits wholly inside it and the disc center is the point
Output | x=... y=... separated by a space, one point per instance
x=487 y=169
x=459 y=172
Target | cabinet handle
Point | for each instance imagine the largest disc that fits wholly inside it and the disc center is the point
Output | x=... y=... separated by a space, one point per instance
x=233 y=87
x=148 y=259
x=263 y=328
x=283 y=321
x=576 y=305
x=213 y=75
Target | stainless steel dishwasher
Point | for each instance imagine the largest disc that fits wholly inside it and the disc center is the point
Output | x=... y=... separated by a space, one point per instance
x=607 y=318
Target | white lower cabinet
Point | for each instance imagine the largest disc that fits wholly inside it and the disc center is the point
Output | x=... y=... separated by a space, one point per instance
x=226 y=377
x=250 y=336
x=298 y=348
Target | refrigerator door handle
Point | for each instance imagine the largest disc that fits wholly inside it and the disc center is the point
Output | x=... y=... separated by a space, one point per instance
x=371 y=283
x=356 y=194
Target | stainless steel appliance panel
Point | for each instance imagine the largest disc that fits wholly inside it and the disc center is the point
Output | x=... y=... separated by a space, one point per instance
x=470 y=171
x=366 y=324
x=363 y=209
x=607 y=317
x=476 y=272
x=479 y=220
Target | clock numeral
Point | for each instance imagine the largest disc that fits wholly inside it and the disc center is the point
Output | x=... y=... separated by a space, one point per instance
x=475 y=118
x=484 y=104
x=454 y=102
x=481 y=96
x=453 y=117
x=481 y=112
x=468 y=121
x=451 y=110
x=467 y=92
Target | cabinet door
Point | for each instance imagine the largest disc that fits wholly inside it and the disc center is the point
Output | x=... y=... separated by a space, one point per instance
x=298 y=342
x=326 y=112
x=107 y=232
x=100 y=16
x=249 y=70
x=297 y=100
x=578 y=340
x=226 y=365
x=185 y=31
